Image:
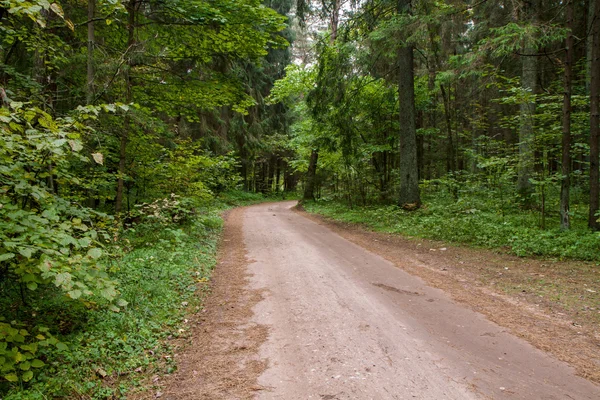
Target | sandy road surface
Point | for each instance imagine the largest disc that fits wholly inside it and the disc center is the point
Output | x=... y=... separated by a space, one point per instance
x=346 y=324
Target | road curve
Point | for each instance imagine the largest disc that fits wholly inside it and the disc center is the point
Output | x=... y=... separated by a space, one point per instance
x=346 y=324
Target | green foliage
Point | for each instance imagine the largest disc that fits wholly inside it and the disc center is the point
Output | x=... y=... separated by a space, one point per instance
x=19 y=350
x=159 y=278
x=475 y=218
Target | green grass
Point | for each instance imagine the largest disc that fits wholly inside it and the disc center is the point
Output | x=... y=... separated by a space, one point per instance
x=108 y=350
x=476 y=221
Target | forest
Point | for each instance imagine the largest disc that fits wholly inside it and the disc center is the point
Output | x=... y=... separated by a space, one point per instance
x=128 y=126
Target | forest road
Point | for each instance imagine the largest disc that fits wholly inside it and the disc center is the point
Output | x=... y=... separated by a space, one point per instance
x=345 y=323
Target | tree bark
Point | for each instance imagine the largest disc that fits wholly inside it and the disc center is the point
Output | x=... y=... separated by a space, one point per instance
x=529 y=77
x=409 y=180
x=450 y=153
x=565 y=186
x=131 y=9
x=311 y=176
x=589 y=44
x=595 y=120
x=335 y=19
x=90 y=51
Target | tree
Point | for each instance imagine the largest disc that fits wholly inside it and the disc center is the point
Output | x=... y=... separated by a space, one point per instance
x=332 y=8
x=565 y=222
x=595 y=120
x=529 y=84
x=409 y=176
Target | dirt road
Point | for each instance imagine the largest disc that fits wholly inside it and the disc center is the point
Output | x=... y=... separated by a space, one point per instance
x=339 y=322
x=346 y=324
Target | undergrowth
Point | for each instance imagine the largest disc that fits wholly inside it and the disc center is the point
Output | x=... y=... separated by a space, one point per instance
x=161 y=266
x=477 y=221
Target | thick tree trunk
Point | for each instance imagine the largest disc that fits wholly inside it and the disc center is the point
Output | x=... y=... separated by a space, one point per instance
x=409 y=176
x=450 y=153
x=131 y=9
x=311 y=176
x=589 y=44
x=595 y=120
x=565 y=186
x=529 y=78
x=90 y=51
x=335 y=19
x=277 y=174
x=526 y=129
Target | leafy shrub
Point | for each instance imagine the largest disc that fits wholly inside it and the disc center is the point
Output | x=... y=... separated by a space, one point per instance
x=46 y=240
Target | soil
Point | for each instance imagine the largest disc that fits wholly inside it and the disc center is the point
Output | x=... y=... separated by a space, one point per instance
x=500 y=287
x=220 y=359
x=305 y=308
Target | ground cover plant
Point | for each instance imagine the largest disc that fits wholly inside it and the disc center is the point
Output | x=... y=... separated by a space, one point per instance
x=161 y=266
x=476 y=219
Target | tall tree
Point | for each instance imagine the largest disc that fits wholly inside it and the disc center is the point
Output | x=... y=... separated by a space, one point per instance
x=132 y=8
x=90 y=50
x=529 y=85
x=565 y=222
x=333 y=6
x=595 y=120
x=409 y=174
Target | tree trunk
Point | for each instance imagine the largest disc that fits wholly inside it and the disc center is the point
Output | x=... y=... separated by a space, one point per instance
x=277 y=174
x=131 y=6
x=595 y=120
x=409 y=181
x=335 y=18
x=565 y=222
x=589 y=44
x=450 y=154
x=90 y=51
x=311 y=176
x=529 y=77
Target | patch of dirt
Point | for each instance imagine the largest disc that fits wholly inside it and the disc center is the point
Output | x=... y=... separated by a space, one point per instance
x=396 y=290
x=553 y=305
x=219 y=359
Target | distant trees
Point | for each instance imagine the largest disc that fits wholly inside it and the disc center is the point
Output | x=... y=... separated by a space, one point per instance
x=495 y=83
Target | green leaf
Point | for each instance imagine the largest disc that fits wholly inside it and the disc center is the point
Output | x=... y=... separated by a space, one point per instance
x=27 y=376
x=37 y=363
x=108 y=293
x=61 y=346
x=11 y=377
x=95 y=253
x=25 y=366
x=6 y=256
x=75 y=294
x=32 y=286
x=26 y=252
x=75 y=145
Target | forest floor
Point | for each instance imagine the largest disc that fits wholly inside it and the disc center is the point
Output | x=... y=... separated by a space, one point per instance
x=304 y=307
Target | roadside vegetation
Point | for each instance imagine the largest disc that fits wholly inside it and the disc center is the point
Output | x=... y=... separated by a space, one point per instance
x=463 y=213
x=161 y=266
x=126 y=127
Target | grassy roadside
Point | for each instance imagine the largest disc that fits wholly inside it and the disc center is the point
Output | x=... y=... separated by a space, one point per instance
x=162 y=272
x=469 y=222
